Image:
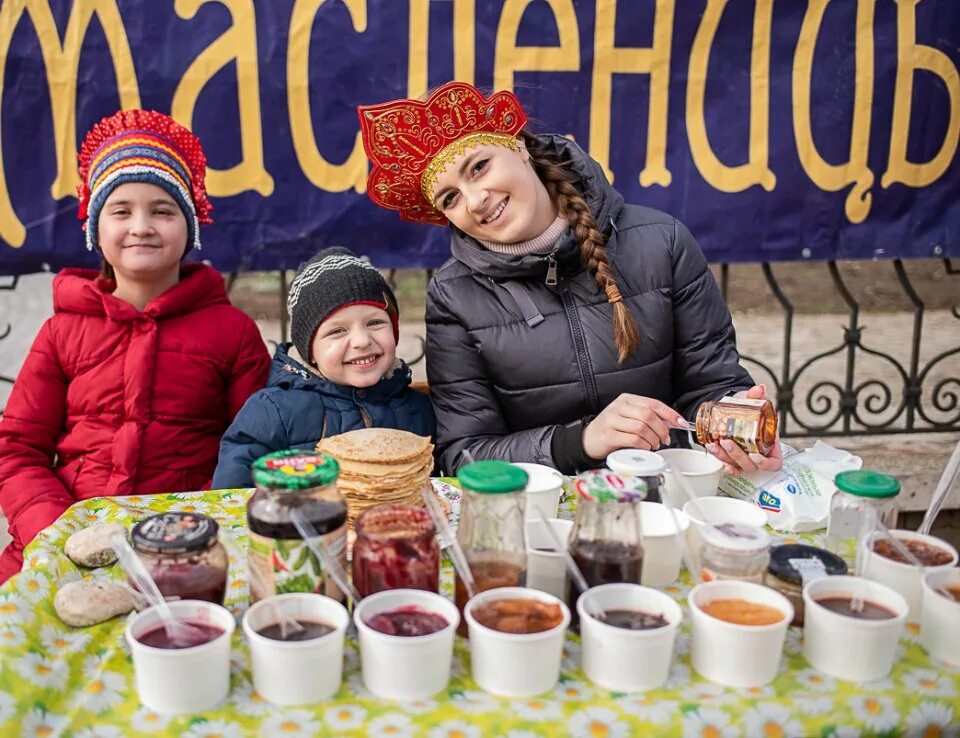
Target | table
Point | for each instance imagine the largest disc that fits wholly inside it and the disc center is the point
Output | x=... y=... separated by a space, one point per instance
x=55 y=680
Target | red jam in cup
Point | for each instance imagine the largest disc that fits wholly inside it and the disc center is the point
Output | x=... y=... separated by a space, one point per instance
x=409 y=620
x=197 y=635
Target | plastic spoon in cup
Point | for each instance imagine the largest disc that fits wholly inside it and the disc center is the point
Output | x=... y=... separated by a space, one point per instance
x=328 y=560
x=942 y=490
x=449 y=543
x=909 y=556
x=287 y=624
x=181 y=633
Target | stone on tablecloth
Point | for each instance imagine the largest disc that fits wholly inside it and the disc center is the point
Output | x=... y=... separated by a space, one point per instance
x=91 y=547
x=83 y=602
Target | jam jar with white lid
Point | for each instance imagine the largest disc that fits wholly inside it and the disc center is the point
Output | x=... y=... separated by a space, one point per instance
x=734 y=551
x=183 y=555
x=646 y=465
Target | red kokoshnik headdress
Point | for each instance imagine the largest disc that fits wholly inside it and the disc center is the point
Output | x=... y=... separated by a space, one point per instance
x=410 y=142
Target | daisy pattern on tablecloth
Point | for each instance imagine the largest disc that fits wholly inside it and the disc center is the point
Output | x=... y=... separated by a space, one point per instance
x=537 y=709
x=391 y=725
x=147 y=721
x=358 y=688
x=930 y=683
x=813 y=704
x=63 y=641
x=793 y=642
x=708 y=722
x=757 y=693
x=89 y=516
x=292 y=723
x=456 y=729
x=597 y=722
x=345 y=717
x=911 y=632
x=572 y=690
x=707 y=692
x=571 y=656
x=33 y=585
x=13 y=611
x=681 y=645
x=771 y=720
x=12 y=636
x=678 y=677
x=39 y=723
x=877 y=713
x=249 y=702
x=650 y=709
x=816 y=680
x=932 y=720
x=101 y=731
x=46 y=673
x=214 y=729
x=521 y=734
x=8 y=706
x=194 y=506
x=474 y=701
x=103 y=691
x=419 y=707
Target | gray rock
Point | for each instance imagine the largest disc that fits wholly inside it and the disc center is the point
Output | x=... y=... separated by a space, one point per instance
x=91 y=547
x=83 y=602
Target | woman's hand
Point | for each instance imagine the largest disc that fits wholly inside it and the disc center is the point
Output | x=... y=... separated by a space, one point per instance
x=735 y=459
x=630 y=421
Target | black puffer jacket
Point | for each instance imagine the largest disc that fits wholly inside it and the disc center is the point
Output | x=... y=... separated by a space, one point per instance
x=515 y=365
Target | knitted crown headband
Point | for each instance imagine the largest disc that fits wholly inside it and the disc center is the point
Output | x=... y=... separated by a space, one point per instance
x=410 y=142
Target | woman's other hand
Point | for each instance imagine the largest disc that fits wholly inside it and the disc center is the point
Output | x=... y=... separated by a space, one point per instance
x=630 y=421
x=735 y=459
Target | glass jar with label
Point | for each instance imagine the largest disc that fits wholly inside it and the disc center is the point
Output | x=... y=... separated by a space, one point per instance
x=183 y=555
x=396 y=548
x=751 y=424
x=606 y=540
x=279 y=560
x=646 y=465
x=794 y=564
x=491 y=530
x=863 y=498
x=734 y=551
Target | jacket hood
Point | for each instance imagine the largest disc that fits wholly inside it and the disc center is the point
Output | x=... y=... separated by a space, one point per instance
x=588 y=177
x=289 y=371
x=84 y=291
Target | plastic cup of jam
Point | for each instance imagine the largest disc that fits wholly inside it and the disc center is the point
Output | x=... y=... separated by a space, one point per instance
x=181 y=680
x=620 y=652
x=405 y=667
x=905 y=578
x=729 y=651
x=515 y=664
x=301 y=670
x=941 y=615
x=859 y=646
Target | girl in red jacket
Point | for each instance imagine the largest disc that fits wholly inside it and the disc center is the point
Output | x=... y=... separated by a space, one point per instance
x=130 y=385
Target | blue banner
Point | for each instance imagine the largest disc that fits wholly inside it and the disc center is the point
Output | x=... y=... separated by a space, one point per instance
x=774 y=130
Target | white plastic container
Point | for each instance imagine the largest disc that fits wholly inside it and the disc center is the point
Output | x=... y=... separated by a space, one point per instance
x=737 y=655
x=405 y=667
x=903 y=578
x=182 y=680
x=662 y=553
x=701 y=470
x=940 y=623
x=296 y=672
x=546 y=570
x=543 y=491
x=719 y=510
x=846 y=647
x=624 y=660
x=512 y=664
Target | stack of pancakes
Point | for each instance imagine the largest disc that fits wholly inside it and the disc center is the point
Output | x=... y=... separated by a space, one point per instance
x=380 y=465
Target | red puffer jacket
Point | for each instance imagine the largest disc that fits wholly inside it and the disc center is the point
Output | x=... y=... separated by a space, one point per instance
x=114 y=401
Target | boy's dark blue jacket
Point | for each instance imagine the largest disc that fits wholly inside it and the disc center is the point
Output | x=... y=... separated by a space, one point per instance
x=298 y=408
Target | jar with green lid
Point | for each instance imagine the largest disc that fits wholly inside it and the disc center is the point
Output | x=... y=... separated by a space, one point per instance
x=491 y=530
x=863 y=497
x=279 y=560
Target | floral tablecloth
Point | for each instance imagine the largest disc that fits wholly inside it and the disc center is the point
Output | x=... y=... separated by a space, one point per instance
x=56 y=680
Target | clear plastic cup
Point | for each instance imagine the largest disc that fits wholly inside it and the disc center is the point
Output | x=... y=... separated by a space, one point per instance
x=543 y=491
x=849 y=647
x=512 y=664
x=624 y=660
x=940 y=621
x=182 y=680
x=405 y=667
x=546 y=569
x=296 y=672
x=662 y=553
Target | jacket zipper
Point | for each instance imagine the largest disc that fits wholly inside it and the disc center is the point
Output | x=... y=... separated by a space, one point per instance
x=583 y=358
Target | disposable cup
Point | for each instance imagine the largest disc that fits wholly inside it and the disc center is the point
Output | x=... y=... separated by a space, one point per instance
x=405 y=667
x=515 y=664
x=701 y=470
x=546 y=569
x=941 y=616
x=731 y=654
x=624 y=660
x=662 y=553
x=846 y=647
x=182 y=680
x=719 y=510
x=903 y=578
x=543 y=491
x=296 y=672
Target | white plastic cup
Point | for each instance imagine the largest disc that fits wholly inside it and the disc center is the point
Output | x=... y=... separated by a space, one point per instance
x=900 y=577
x=543 y=491
x=846 y=647
x=719 y=510
x=940 y=621
x=515 y=664
x=624 y=660
x=662 y=553
x=546 y=570
x=182 y=680
x=737 y=655
x=405 y=667
x=296 y=672
x=701 y=470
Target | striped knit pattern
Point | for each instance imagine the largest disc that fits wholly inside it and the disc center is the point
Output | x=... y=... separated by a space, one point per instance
x=539 y=245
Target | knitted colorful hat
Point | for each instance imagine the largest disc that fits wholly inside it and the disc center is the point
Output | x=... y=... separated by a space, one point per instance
x=333 y=279
x=411 y=142
x=143 y=146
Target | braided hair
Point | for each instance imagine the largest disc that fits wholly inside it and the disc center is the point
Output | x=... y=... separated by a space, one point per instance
x=572 y=206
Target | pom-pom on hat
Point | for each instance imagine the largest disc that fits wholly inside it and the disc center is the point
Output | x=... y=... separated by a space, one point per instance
x=411 y=142
x=143 y=146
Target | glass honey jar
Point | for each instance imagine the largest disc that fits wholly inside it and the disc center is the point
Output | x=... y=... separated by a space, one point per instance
x=751 y=424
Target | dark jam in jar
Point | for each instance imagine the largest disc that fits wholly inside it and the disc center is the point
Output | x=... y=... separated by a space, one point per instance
x=309 y=629
x=396 y=548
x=604 y=562
x=407 y=621
x=196 y=635
x=183 y=555
x=487 y=575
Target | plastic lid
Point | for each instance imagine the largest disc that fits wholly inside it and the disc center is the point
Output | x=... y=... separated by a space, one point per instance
x=866 y=483
x=602 y=485
x=492 y=477
x=735 y=537
x=781 y=567
x=295 y=469
x=174 y=532
x=637 y=462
